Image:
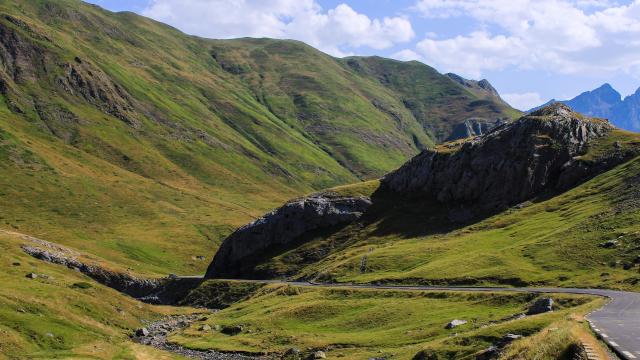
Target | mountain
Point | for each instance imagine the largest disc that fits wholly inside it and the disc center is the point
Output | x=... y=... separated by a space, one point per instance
x=599 y=102
x=123 y=136
x=606 y=102
x=627 y=114
x=530 y=203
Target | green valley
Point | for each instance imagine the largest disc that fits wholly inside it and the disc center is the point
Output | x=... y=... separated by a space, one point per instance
x=260 y=199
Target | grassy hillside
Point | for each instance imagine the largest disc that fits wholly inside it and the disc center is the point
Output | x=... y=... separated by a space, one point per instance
x=556 y=240
x=362 y=324
x=125 y=137
x=429 y=96
x=64 y=315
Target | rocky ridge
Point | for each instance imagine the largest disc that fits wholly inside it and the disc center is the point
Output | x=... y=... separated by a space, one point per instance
x=166 y=291
x=507 y=166
x=282 y=227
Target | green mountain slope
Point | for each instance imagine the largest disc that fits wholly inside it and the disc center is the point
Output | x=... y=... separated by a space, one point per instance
x=125 y=137
x=62 y=314
x=534 y=223
x=558 y=241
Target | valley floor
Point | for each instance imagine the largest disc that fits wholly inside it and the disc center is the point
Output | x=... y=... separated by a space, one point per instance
x=63 y=314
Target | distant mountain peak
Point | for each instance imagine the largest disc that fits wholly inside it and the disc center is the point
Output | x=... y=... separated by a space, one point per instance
x=607 y=102
x=606 y=90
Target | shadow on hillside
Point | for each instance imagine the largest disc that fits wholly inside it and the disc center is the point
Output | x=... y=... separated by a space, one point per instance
x=287 y=259
x=416 y=216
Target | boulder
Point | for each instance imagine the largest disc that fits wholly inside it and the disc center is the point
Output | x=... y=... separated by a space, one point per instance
x=540 y=306
x=610 y=244
x=319 y=355
x=455 y=323
x=142 y=332
x=232 y=330
x=32 y=276
x=205 y=327
x=239 y=252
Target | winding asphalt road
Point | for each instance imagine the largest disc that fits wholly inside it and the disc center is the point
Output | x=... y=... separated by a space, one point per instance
x=617 y=323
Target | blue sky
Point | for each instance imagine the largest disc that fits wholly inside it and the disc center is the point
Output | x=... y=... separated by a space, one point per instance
x=530 y=50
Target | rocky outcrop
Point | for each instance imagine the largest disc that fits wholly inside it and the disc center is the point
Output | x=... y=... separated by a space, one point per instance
x=507 y=166
x=87 y=81
x=483 y=84
x=541 y=306
x=166 y=291
x=125 y=283
x=280 y=228
x=21 y=59
x=473 y=127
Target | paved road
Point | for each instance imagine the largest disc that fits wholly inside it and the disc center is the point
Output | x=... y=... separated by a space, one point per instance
x=617 y=323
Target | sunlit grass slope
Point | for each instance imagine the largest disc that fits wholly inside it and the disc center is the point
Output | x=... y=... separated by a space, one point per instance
x=64 y=315
x=361 y=324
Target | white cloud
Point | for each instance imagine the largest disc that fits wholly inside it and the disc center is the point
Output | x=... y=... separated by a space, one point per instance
x=562 y=36
x=336 y=31
x=524 y=101
x=470 y=55
x=407 y=55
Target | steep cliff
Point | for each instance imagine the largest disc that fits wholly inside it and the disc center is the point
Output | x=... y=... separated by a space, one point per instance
x=511 y=164
x=281 y=228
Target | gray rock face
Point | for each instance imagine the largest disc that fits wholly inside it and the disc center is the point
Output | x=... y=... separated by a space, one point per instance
x=156 y=291
x=473 y=127
x=125 y=283
x=540 y=306
x=483 y=84
x=507 y=166
x=281 y=227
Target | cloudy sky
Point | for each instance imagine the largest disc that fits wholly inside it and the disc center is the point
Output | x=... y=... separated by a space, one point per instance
x=530 y=50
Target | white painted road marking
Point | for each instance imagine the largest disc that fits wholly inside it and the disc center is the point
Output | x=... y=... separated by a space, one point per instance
x=630 y=355
x=604 y=335
x=613 y=343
